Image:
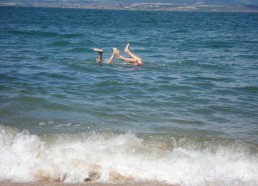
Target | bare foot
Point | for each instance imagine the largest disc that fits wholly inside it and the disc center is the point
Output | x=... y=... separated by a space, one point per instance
x=127 y=47
x=117 y=52
x=98 y=50
x=115 y=49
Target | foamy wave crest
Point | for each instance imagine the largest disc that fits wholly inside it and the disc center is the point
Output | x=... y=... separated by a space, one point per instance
x=110 y=157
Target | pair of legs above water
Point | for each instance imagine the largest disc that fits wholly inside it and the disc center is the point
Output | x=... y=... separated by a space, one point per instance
x=133 y=58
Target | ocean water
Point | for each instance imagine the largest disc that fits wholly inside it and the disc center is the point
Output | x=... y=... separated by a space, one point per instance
x=189 y=116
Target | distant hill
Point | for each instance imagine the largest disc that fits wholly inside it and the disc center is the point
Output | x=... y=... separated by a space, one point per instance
x=208 y=2
x=190 y=2
x=161 y=5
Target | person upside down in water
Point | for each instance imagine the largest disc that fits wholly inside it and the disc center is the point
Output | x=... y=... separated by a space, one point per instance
x=134 y=59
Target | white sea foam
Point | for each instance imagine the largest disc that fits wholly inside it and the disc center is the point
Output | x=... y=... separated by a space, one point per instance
x=118 y=157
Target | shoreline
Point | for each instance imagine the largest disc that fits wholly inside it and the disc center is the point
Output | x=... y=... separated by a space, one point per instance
x=142 y=7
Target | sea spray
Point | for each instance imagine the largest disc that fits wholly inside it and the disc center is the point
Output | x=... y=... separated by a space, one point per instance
x=112 y=157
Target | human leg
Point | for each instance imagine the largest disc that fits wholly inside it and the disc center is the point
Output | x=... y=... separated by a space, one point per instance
x=127 y=51
x=125 y=59
x=100 y=52
x=110 y=60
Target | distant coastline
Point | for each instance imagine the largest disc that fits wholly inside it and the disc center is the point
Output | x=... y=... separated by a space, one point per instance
x=144 y=7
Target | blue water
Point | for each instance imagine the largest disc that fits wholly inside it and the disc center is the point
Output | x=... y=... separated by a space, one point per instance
x=198 y=84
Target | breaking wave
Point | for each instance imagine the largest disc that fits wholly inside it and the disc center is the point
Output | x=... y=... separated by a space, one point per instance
x=113 y=157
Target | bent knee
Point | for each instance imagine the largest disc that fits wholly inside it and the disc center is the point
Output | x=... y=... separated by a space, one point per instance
x=138 y=62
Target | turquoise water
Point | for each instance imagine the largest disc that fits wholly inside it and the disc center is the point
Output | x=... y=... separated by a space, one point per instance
x=194 y=100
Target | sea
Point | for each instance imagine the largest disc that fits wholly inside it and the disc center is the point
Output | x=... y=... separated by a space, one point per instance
x=188 y=116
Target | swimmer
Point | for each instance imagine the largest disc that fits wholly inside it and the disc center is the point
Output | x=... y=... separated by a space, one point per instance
x=133 y=58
